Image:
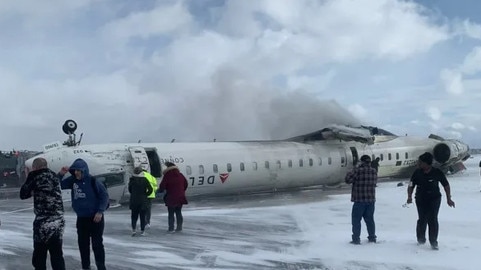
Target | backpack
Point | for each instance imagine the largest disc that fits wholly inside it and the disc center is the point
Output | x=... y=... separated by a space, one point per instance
x=96 y=190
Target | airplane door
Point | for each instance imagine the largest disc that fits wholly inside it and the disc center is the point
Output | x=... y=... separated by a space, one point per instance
x=140 y=157
x=355 y=156
x=343 y=155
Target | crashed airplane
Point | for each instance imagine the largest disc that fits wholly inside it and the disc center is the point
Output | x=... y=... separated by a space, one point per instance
x=223 y=168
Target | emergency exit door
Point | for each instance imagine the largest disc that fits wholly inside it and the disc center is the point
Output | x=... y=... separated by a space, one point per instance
x=140 y=157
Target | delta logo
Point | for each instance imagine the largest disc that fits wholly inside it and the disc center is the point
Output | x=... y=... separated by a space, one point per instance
x=223 y=177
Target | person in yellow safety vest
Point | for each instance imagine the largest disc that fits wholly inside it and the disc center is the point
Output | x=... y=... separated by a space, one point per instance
x=151 y=197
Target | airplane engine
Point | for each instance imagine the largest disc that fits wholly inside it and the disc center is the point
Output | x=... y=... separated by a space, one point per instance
x=450 y=151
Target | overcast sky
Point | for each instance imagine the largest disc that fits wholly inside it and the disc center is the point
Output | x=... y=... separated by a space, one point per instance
x=237 y=70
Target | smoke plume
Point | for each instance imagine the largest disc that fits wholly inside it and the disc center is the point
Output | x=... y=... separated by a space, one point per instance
x=240 y=108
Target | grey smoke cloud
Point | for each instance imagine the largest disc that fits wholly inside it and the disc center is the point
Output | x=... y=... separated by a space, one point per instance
x=237 y=107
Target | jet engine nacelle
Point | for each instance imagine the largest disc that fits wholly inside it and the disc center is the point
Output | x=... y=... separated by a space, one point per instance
x=450 y=151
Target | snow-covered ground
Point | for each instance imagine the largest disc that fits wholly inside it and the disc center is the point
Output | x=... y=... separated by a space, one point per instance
x=299 y=230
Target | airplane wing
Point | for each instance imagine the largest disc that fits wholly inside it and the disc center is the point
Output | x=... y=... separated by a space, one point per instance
x=338 y=132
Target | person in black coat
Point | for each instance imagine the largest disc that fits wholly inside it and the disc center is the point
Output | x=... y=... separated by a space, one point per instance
x=139 y=188
x=375 y=164
x=426 y=180
x=48 y=227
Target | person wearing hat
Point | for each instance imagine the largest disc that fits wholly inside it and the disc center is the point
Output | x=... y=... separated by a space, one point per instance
x=363 y=194
x=139 y=188
x=174 y=184
x=426 y=179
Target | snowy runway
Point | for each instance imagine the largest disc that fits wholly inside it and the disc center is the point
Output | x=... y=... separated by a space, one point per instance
x=300 y=230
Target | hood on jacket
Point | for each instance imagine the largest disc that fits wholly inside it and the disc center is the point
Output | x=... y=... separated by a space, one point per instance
x=81 y=165
x=171 y=168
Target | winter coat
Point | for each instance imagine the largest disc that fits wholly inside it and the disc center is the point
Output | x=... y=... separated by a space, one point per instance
x=85 y=201
x=174 y=184
x=139 y=188
x=49 y=221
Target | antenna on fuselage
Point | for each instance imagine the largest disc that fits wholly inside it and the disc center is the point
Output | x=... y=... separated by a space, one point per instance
x=69 y=128
x=81 y=135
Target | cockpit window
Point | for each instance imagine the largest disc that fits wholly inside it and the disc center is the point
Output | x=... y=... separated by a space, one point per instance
x=110 y=180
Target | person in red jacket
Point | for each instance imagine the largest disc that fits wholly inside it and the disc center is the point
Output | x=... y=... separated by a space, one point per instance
x=174 y=184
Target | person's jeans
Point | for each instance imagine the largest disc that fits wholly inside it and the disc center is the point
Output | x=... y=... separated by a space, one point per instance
x=178 y=217
x=362 y=210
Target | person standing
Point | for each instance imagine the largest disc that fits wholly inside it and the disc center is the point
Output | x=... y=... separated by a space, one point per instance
x=174 y=184
x=139 y=188
x=89 y=201
x=363 y=194
x=48 y=226
x=480 y=175
x=375 y=164
x=426 y=180
x=153 y=183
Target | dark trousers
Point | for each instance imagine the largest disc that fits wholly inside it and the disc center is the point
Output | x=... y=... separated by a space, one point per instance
x=362 y=210
x=88 y=230
x=136 y=212
x=148 y=211
x=54 y=247
x=428 y=209
x=178 y=216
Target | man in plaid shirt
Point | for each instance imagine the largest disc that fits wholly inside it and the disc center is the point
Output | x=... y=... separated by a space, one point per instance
x=363 y=179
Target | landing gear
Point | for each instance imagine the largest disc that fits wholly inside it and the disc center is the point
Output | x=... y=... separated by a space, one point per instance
x=69 y=128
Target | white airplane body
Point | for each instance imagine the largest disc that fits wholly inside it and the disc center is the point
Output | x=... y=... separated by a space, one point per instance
x=224 y=168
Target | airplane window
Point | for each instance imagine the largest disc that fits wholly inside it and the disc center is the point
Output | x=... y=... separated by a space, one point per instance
x=289 y=163
x=329 y=160
x=188 y=170
x=266 y=164
x=242 y=166
x=201 y=169
x=111 y=180
x=311 y=162
x=343 y=160
x=278 y=164
x=215 y=168
x=320 y=161
x=406 y=155
x=301 y=162
x=254 y=166
x=397 y=156
x=382 y=157
x=389 y=156
x=229 y=167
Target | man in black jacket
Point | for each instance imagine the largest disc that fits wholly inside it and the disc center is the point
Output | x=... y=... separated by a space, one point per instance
x=49 y=223
x=428 y=198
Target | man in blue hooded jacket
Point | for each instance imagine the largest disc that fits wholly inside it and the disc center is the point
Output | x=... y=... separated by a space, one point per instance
x=89 y=205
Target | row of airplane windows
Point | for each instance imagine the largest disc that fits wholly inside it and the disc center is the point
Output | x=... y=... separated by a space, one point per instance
x=242 y=166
